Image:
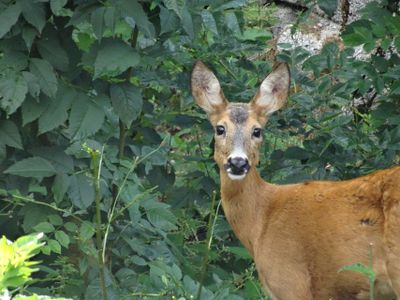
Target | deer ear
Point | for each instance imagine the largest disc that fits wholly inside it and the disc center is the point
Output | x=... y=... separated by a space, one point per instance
x=273 y=92
x=206 y=89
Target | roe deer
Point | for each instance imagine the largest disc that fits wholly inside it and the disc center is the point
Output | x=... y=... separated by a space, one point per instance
x=300 y=235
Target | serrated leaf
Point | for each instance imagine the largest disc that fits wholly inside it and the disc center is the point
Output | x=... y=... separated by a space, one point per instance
x=13 y=90
x=34 y=13
x=33 y=84
x=57 y=5
x=81 y=192
x=9 y=134
x=86 y=231
x=62 y=238
x=46 y=76
x=56 y=113
x=32 y=109
x=114 y=57
x=60 y=186
x=55 y=220
x=45 y=227
x=54 y=246
x=86 y=117
x=32 y=167
x=127 y=102
x=50 y=49
x=71 y=227
x=29 y=34
x=133 y=9
x=8 y=18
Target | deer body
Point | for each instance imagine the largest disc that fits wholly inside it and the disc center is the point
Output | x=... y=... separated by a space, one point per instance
x=301 y=235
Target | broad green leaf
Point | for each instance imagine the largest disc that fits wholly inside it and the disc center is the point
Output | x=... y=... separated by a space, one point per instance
x=328 y=6
x=34 y=13
x=9 y=134
x=133 y=9
x=32 y=109
x=127 y=102
x=209 y=21
x=71 y=227
x=57 y=5
x=187 y=22
x=13 y=90
x=168 y=19
x=32 y=167
x=81 y=192
x=51 y=50
x=62 y=238
x=175 y=5
x=97 y=20
x=62 y=162
x=86 y=231
x=55 y=220
x=13 y=60
x=46 y=76
x=33 y=84
x=86 y=117
x=8 y=18
x=232 y=22
x=114 y=57
x=56 y=112
x=45 y=227
x=54 y=246
x=60 y=186
x=29 y=34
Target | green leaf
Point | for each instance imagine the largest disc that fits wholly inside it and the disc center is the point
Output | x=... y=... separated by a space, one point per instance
x=71 y=227
x=114 y=57
x=8 y=18
x=33 y=84
x=32 y=109
x=81 y=191
x=55 y=113
x=46 y=76
x=60 y=186
x=55 y=220
x=127 y=102
x=86 y=231
x=54 y=246
x=57 y=5
x=209 y=21
x=13 y=90
x=133 y=9
x=9 y=134
x=360 y=268
x=32 y=167
x=97 y=20
x=51 y=50
x=86 y=117
x=45 y=227
x=239 y=252
x=328 y=6
x=34 y=13
x=169 y=20
x=62 y=238
x=29 y=34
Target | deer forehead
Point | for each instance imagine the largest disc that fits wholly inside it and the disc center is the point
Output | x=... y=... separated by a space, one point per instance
x=239 y=115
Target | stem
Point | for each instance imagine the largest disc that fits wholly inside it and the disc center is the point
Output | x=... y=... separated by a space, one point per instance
x=210 y=226
x=97 y=162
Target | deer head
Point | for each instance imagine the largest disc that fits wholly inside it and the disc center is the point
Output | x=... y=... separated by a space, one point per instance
x=238 y=126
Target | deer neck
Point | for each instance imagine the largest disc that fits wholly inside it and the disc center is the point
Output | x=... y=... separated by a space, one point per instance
x=245 y=202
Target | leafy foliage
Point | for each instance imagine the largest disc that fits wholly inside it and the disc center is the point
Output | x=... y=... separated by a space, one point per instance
x=102 y=150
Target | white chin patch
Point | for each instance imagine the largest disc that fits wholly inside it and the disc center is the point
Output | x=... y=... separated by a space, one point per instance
x=236 y=177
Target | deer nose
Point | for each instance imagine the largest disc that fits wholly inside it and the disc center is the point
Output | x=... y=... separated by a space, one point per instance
x=238 y=165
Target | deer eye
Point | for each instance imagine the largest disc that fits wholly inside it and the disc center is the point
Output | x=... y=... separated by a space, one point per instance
x=220 y=130
x=257 y=132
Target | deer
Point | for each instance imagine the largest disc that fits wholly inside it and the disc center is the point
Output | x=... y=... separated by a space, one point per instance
x=300 y=235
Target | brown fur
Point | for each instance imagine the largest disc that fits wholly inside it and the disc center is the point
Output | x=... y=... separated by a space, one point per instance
x=300 y=235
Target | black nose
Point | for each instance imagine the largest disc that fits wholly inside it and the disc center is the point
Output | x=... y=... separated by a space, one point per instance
x=238 y=165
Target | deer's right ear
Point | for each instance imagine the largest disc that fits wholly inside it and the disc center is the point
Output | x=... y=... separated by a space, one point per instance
x=206 y=89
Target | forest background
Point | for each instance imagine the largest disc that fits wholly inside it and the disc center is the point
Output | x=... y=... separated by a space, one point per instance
x=103 y=150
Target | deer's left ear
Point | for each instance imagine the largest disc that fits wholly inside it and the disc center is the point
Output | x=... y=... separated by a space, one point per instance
x=273 y=92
